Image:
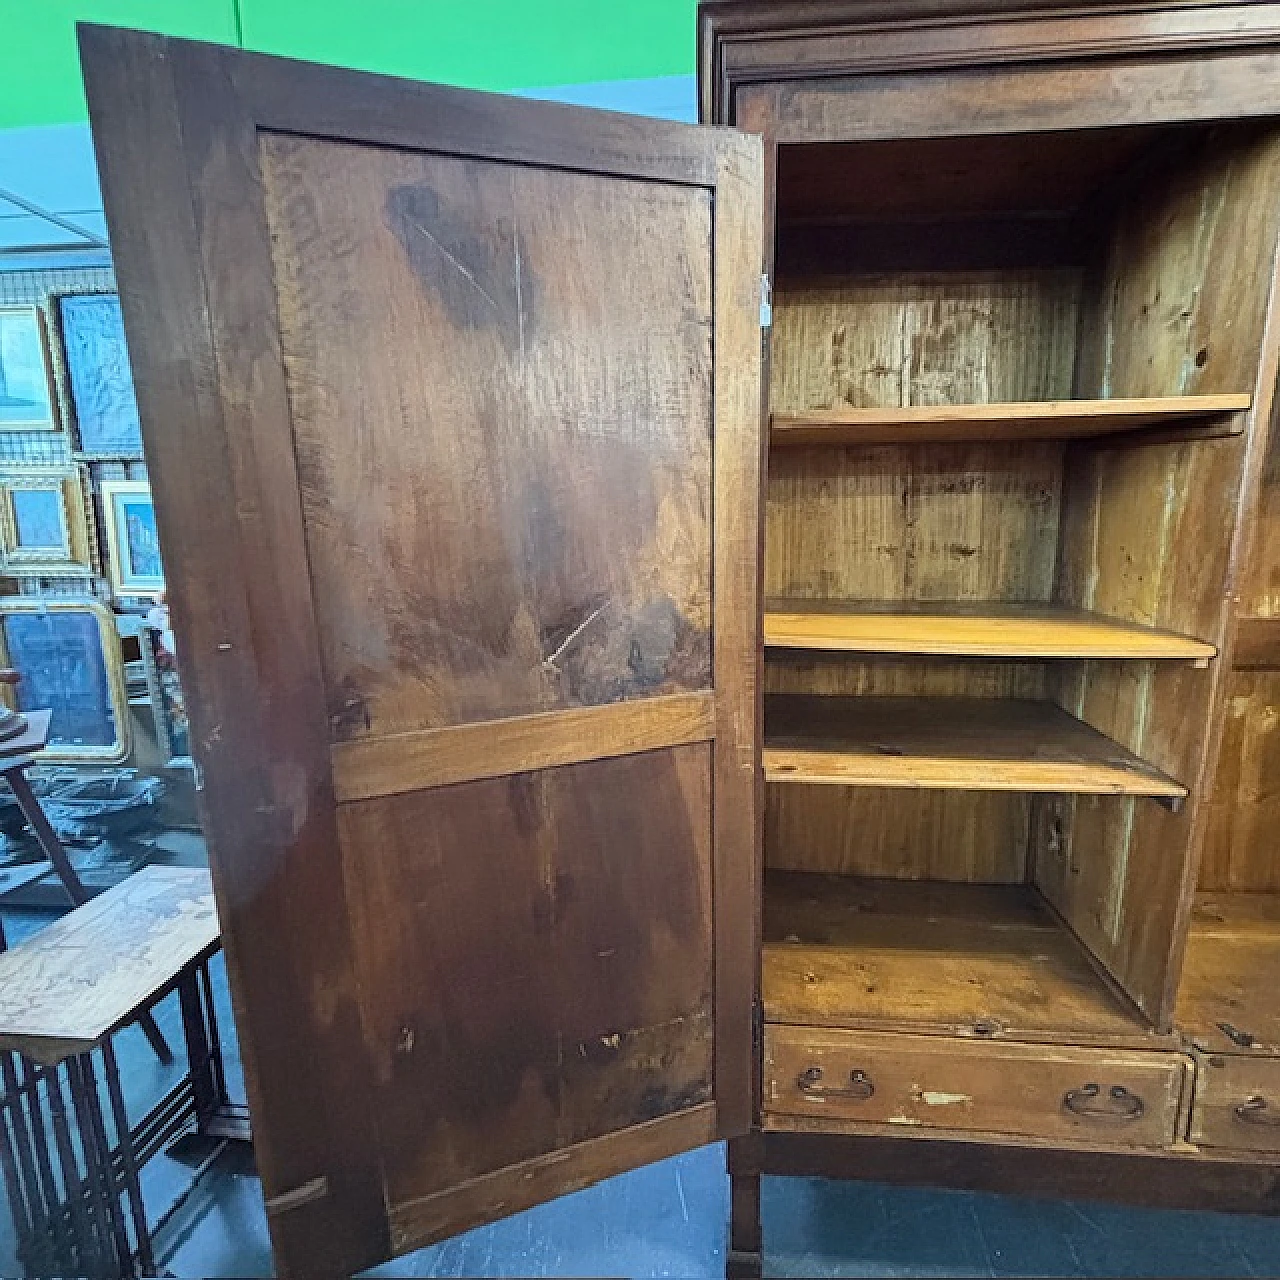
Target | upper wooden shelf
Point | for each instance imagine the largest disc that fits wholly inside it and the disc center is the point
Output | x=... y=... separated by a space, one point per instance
x=1034 y=420
x=986 y=630
x=964 y=744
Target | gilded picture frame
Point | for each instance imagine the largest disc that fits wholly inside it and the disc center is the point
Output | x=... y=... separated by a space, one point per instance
x=44 y=522
x=28 y=399
x=134 y=567
x=67 y=651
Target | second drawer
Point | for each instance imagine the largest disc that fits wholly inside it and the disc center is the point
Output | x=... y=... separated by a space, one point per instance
x=1121 y=1097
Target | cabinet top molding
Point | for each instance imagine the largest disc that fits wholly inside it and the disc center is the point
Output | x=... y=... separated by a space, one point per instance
x=744 y=42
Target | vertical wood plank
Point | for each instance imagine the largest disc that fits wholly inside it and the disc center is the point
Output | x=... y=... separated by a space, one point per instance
x=738 y=623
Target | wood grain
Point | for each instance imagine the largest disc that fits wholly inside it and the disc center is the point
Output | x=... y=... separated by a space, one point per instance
x=510 y=395
x=1244 y=803
x=443 y=481
x=563 y=990
x=66 y=988
x=969 y=630
x=1037 y=420
x=369 y=767
x=947 y=959
x=1237 y=1103
x=1227 y=997
x=1150 y=535
x=974 y=744
x=925 y=1082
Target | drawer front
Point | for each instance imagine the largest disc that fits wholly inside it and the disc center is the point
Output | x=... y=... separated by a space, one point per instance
x=1120 y=1097
x=1237 y=1102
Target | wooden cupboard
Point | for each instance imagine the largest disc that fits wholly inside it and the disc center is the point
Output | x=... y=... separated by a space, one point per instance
x=1018 y=595
x=641 y=699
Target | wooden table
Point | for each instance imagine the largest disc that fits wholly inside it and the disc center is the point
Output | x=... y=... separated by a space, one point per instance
x=77 y=1206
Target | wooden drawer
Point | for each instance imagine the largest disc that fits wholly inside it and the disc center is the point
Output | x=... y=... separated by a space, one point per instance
x=1121 y=1097
x=1237 y=1102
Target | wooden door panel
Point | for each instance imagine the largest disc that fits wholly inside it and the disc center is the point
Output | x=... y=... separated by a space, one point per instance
x=533 y=410
x=563 y=987
x=451 y=408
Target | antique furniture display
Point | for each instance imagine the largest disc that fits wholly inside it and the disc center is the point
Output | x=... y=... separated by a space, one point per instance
x=71 y=1176
x=453 y=410
x=1022 y=365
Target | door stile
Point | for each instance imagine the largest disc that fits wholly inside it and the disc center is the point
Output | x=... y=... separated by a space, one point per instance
x=250 y=658
x=738 y=460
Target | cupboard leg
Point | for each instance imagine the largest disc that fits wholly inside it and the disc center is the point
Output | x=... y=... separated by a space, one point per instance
x=744 y=1258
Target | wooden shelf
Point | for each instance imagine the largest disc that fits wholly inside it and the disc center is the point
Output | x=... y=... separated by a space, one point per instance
x=965 y=744
x=847 y=951
x=969 y=630
x=1034 y=420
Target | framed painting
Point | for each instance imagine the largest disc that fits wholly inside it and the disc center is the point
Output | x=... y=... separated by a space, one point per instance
x=133 y=545
x=100 y=379
x=26 y=374
x=67 y=652
x=44 y=528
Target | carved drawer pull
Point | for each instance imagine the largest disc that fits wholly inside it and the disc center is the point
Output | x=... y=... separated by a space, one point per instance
x=1257 y=1110
x=859 y=1087
x=1122 y=1104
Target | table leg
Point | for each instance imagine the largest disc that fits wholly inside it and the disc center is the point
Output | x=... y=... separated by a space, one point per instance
x=88 y=1246
x=204 y=1083
x=99 y=1174
x=128 y=1157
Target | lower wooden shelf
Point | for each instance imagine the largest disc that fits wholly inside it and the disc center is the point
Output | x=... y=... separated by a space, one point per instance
x=948 y=959
x=975 y=744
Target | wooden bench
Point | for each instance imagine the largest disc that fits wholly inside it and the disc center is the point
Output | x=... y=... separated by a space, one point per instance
x=63 y=994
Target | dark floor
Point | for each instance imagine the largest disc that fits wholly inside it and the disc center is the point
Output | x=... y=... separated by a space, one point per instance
x=669 y=1219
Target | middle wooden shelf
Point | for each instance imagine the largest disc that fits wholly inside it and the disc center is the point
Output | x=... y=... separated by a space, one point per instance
x=988 y=629
x=966 y=744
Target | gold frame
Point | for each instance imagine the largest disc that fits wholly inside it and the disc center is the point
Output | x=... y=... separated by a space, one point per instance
x=77 y=558
x=108 y=489
x=113 y=661
x=46 y=354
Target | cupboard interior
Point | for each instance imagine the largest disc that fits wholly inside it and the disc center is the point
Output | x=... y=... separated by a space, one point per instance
x=1063 y=591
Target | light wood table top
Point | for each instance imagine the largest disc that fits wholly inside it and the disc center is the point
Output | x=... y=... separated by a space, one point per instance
x=68 y=987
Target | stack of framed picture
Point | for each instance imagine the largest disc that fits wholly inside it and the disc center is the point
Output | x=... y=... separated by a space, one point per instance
x=77 y=524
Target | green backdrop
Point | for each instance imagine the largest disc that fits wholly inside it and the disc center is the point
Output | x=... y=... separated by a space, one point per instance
x=484 y=44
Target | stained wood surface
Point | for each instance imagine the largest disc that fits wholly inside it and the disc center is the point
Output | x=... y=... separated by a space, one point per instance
x=1227 y=999
x=581 y=562
x=949 y=959
x=563 y=988
x=969 y=630
x=365 y=768
x=943 y=522
x=980 y=744
x=927 y=1083
x=65 y=988
x=1237 y=1103
x=1180 y=306
x=1257 y=645
x=1045 y=420
x=445 y=487
x=1240 y=849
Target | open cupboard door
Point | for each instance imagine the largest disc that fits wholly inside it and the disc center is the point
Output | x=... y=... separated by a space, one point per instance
x=451 y=405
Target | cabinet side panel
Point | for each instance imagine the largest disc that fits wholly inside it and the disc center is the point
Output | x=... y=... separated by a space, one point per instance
x=1149 y=535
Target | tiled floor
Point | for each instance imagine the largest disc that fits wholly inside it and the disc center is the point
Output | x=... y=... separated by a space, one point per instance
x=669 y=1219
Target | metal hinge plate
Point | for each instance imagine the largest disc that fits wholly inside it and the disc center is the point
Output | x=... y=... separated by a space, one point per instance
x=766 y=302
